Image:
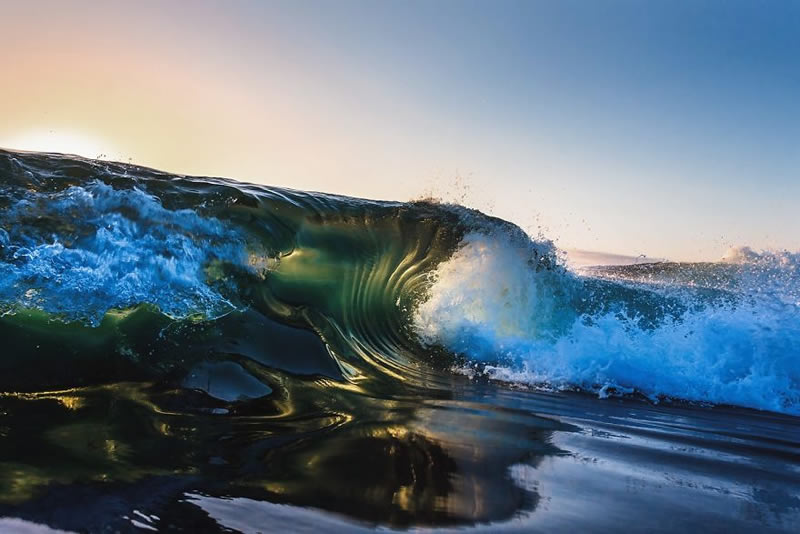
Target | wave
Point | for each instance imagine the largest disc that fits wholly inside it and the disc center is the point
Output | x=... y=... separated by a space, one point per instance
x=116 y=272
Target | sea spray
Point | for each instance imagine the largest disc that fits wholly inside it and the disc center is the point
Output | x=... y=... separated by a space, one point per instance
x=737 y=344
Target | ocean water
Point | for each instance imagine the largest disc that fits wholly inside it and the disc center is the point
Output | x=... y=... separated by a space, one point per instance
x=185 y=354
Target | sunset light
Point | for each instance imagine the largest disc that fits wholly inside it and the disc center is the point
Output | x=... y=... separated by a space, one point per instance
x=60 y=141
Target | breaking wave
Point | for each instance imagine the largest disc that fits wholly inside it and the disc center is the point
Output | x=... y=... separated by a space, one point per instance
x=102 y=261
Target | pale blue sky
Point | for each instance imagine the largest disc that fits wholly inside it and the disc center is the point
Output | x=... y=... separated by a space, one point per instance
x=669 y=128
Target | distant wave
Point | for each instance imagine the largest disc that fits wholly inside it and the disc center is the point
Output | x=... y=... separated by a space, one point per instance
x=162 y=272
x=583 y=258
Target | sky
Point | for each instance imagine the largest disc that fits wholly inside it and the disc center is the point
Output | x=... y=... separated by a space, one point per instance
x=664 y=128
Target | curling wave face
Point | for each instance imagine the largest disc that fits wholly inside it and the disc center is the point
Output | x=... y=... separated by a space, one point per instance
x=111 y=272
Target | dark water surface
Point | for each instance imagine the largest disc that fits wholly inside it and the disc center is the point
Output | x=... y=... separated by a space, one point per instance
x=128 y=456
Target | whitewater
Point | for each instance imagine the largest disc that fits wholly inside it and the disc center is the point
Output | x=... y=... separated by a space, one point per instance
x=726 y=332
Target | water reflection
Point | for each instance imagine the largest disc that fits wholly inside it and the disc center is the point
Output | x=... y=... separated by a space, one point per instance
x=396 y=462
x=436 y=463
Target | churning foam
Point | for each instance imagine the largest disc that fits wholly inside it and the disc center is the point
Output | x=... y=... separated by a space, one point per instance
x=490 y=303
x=88 y=249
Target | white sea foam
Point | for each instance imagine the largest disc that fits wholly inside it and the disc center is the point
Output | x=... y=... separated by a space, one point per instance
x=88 y=249
x=530 y=326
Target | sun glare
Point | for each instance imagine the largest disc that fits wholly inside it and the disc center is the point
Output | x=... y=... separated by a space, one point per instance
x=65 y=142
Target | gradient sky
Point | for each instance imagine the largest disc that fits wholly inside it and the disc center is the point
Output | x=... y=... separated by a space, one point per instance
x=666 y=128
